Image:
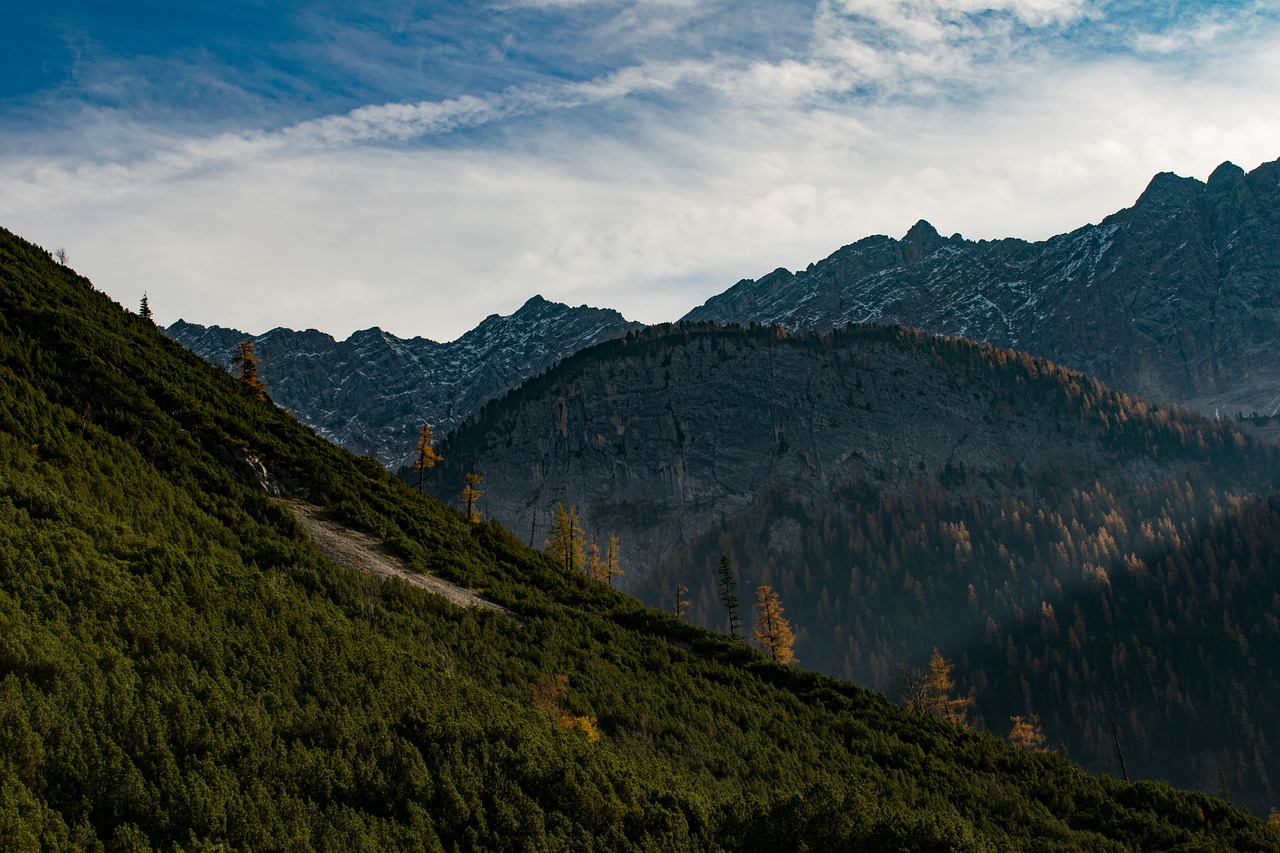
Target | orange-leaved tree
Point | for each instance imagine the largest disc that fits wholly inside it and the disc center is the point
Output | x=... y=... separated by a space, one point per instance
x=566 y=542
x=245 y=362
x=427 y=454
x=773 y=632
x=1026 y=733
x=471 y=496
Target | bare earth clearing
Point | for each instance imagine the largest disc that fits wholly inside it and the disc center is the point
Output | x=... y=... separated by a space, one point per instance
x=368 y=555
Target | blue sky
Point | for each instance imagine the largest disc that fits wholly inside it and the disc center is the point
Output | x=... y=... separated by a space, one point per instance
x=418 y=166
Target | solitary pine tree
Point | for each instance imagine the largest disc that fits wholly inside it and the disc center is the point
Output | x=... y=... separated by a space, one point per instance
x=427 y=455
x=471 y=496
x=245 y=363
x=682 y=603
x=773 y=632
x=728 y=594
x=144 y=309
x=566 y=538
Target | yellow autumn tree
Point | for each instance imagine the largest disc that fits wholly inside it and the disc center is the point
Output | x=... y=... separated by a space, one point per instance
x=593 y=565
x=1026 y=733
x=549 y=694
x=929 y=691
x=245 y=364
x=471 y=496
x=612 y=568
x=566 y=542
x=773 y=632
x=427 y=454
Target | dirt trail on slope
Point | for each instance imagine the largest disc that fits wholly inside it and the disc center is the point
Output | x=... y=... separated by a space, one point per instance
x=368 y=555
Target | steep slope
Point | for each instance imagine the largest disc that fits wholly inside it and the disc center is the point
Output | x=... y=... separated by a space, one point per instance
x=372 y=392
x=1173 y=300
x=182 y=668
x=1080 y=554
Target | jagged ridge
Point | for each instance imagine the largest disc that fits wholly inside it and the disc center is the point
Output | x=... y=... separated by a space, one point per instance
x=371 y=392
x=1174 y=299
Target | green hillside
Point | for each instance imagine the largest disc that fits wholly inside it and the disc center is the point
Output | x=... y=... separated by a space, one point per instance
x=181 y=668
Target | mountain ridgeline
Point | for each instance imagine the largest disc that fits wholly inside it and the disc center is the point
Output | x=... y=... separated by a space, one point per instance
x=1173 y=300
x=372 y=392
x=1082 y=555
x=183 y=668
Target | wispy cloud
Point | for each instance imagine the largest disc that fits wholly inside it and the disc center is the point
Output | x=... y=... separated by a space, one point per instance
x=719 y=149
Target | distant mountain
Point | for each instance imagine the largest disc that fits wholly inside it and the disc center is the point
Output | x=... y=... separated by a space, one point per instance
x=183 y=667
x=1082 y=555
x=372 y=392
x=1176 y=299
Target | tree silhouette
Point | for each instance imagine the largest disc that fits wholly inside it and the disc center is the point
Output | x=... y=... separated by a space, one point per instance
x=144 y=309
x=728 y=587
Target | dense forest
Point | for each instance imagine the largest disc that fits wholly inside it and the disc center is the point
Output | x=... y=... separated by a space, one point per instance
x=1082 y=556
x=181 y=668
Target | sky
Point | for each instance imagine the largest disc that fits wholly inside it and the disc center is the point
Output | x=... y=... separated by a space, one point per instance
x=419 y=166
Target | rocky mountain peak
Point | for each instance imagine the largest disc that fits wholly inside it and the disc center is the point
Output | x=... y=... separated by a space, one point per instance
x=1168 y=190
x=1226 y=174
x=1173 y=299
x=372 y=392
x=921 y=241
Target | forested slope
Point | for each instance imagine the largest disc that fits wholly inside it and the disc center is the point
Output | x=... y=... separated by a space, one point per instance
x=1079 y=554
x=181 y=668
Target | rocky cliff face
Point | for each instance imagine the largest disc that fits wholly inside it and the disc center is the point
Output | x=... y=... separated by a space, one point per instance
x=371 y=392
x=663 y=437
x=1176 y=299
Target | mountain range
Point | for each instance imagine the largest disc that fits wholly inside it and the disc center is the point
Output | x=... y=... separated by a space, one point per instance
x=1174 y=300
x=373 y=391
x=197 y=653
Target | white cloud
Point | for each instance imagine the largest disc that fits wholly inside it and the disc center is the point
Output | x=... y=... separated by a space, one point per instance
x=651 y=187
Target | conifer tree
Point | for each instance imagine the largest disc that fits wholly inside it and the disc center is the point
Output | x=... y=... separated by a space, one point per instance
x=728 y=587
x=144 y=308
x=471 y=495
x=566 y=538
x=612 y=568
x=427 y=454
x=682 y=603
x=1026 y=733
x=939 y=685
x=245 y=362
x=773 y=631
x=593 y=565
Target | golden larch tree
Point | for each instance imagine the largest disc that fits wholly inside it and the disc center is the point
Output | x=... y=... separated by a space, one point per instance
x=245 y=364
x=471 y=497
x=773 y=632
x=612 y=568
x=1026 y=733
x=566 y=542
x=427 y=454
x=938 y=683
x=593 y=565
